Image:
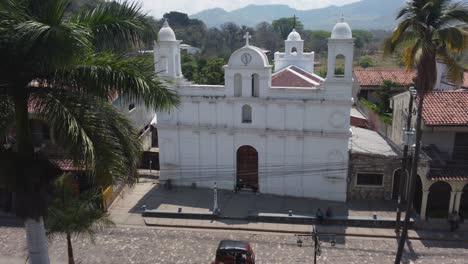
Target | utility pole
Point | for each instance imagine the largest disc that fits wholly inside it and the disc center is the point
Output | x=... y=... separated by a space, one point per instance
x=404 y=172
x=412 y=181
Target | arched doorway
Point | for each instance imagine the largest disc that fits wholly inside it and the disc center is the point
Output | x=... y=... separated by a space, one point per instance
x=464 y=202
x=438 y=200
x=247 y=168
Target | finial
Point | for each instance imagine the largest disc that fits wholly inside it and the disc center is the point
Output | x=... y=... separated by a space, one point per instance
x=165 y=23
x=247 y=36
x=294 y=24
x=342 y=18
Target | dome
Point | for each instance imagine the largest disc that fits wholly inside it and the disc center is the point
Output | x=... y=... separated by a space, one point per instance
x=294 y=36
x=341 y=30
x=166 y=33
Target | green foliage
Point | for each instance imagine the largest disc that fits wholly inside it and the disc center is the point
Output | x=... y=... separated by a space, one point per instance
x=316 y=40
x=213 y=72
x=366 y=61
x=387 y=118
x=54 y=62
x=362 y=38
x=426 y=30
x=75 y=214
x=284 y=26
x=385 y=93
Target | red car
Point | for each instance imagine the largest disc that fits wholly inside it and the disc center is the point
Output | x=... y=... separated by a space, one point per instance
x=234 y=252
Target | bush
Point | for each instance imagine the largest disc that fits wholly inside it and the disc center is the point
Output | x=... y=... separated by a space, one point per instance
x=366 y=61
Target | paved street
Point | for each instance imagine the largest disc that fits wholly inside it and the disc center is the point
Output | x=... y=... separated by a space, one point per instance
x=150 y=245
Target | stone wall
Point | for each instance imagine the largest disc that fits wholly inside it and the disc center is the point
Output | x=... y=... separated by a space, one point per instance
x=365 y=163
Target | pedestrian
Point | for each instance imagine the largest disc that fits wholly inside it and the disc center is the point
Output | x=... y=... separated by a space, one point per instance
x=454 y=219
x=329 y=213
x=319 y=215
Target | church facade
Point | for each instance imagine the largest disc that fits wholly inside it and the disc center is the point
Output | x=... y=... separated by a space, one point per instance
x=284 y=132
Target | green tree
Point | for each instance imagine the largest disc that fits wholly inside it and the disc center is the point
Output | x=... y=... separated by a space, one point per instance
x=317 y=40
x=362 y=38
x=385 y=93
x=264 y=36
x=65 y=68
x=213 y=72
x=427 y=30
x=74 y=214
x=366 y=61
x=285 y=25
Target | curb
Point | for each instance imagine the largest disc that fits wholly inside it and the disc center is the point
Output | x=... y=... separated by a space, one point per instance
x=300 y=232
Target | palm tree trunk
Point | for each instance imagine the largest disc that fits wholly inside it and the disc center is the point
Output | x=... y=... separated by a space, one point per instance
x=71 y=260
x=35 y=231
x=412 y=183
x=36 y=241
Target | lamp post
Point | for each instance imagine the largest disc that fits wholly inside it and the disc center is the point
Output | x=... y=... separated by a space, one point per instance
x=317 y=245
x=216 y=210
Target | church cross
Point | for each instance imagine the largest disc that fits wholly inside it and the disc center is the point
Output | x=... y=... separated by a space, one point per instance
x=247 y=36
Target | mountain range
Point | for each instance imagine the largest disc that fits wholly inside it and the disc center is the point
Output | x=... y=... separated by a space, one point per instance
x=365 y=14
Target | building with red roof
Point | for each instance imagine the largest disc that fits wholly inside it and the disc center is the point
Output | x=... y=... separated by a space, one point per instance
x=442 y=185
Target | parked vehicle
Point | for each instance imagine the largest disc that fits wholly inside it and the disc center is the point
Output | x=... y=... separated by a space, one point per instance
x=234 y=252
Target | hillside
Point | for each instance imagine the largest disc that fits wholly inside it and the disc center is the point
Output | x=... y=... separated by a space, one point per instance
x=366 y=14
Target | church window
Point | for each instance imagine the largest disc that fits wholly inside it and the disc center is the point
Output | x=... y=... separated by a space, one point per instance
x=340 y=65
x=237 y=85
x=294 y=51
x=246 y=114
x=369 y=179
x=255 y=85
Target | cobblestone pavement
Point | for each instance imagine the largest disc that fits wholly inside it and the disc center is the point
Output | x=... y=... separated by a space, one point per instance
x=151 y=245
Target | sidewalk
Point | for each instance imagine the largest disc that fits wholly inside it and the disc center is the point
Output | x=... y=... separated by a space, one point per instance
x=127 y=211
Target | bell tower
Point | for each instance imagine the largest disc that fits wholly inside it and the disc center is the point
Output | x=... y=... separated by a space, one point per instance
x=167 y=53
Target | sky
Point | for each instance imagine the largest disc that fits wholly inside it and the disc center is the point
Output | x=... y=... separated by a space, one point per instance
x=157 y=8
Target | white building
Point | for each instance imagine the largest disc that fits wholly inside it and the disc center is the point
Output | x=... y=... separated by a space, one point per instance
x=282 y=133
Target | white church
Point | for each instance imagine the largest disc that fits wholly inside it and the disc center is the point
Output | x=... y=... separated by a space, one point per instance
x=281 y=132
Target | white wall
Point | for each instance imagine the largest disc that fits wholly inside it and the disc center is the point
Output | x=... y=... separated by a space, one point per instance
x=288 y=165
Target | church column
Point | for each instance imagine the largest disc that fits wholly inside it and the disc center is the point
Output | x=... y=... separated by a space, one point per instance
x=458 y=196
x=246 y=84
x=452 y=199
x=425 y=196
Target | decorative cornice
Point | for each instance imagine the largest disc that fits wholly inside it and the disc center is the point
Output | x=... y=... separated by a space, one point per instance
x=259 y=131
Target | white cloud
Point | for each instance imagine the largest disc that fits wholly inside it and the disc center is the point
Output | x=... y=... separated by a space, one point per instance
x=157 y=8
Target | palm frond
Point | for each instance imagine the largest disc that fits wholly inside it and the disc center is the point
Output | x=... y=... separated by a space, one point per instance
x=7 y=114
x=117 y=25
x=93 y=132
x=452 y=37
x=106 y=74
x=455 y=71
x=410 y=54
x=454 y=13
x=75 y=213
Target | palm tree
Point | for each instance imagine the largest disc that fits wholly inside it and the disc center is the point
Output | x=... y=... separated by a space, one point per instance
x=428 y=30
x=65 y=68
x=74 y=214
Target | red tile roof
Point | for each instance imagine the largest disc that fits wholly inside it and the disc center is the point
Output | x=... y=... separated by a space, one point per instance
x=67 y=165
x=448 y=108
x=376 y=77
x=448 y=174
x=294 y=77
